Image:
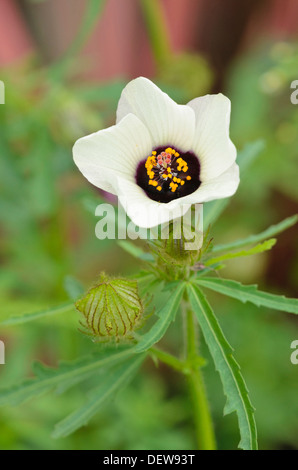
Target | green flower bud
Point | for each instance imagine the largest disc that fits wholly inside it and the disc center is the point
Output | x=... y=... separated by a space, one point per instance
x=183 y=243
x=111 y=309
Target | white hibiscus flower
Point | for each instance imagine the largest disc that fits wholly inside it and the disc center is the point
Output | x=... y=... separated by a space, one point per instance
x=161 y=157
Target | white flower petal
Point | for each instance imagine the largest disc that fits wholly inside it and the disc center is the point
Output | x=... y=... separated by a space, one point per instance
x=143 y=211
x=212 y=143
x=168 y=123
x=104 y=155
x=223 y=186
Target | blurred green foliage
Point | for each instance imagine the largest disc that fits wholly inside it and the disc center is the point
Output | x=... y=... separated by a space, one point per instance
x=260 y=88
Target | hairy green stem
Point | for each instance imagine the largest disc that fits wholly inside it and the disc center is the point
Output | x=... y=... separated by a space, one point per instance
x=201 y=411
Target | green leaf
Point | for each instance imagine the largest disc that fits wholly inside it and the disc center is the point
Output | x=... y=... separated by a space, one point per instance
x=166 y=316
x=249 y=153
x=267 y=245
x=134 y=250
x=26 y=317
x=171 y=285
x=144 y=277
x=67 y=373
x=268 y=233
x=250 y=294
x=146 y=282
x=115 y=379
x=213 y=209
x=229 y=371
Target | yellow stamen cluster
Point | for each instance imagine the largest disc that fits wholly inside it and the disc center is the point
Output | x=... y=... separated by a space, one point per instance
x=169 y=175
x=172 y=151
x=173 y=186
x=150 y=163
x=164 y=159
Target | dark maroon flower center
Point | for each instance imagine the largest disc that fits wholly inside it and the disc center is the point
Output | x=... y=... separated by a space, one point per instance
x=168 y=174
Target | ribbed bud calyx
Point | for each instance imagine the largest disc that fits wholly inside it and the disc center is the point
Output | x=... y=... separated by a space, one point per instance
x=112 y=308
